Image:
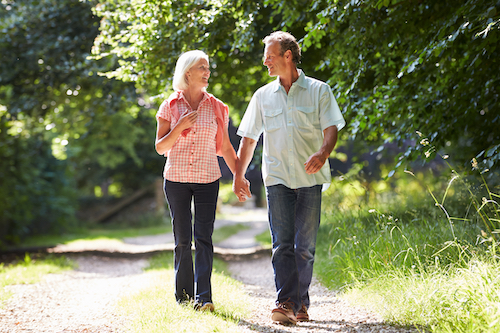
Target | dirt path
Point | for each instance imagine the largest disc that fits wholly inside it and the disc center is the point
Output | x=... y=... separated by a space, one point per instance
x=327 y=312
x=77 y=301
x=83 y=300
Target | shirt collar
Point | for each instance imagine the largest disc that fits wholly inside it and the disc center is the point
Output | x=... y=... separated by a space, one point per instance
x=205 y=96
x=301 y=81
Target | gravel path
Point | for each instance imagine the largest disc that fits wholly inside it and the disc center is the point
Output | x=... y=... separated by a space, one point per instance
x=84 y=300
x=327 y=312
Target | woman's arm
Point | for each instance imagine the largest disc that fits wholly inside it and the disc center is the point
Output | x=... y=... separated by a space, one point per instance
x=166 y=136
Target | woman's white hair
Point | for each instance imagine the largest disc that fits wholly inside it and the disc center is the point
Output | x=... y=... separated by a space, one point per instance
x=184 y=63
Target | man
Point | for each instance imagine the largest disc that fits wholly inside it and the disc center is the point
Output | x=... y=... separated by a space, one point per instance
x=300 y=118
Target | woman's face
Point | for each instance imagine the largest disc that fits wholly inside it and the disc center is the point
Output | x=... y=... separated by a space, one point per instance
x=199 y=74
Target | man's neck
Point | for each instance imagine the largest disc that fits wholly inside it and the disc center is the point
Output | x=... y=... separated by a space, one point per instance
x=289 y=78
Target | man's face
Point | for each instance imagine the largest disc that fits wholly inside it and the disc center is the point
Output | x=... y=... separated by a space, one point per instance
x=275 y=62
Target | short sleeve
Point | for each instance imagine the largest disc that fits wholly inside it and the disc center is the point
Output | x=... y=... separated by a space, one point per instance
x=226 y=115
x=330 y=114
x=251 y=125
x=164 y=111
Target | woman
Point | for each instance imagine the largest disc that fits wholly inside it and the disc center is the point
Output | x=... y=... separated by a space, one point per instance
x=191 y=132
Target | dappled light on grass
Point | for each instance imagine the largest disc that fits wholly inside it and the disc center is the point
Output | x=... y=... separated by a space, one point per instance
x=94 y=233
x=30 y=270
x=424 y=254
x=154 y=309
x=444 y=299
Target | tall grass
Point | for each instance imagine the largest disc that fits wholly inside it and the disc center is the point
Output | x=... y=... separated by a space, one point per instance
x=416 y=250
x=440 y=298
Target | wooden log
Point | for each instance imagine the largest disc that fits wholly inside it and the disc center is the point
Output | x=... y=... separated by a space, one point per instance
x=124 y=203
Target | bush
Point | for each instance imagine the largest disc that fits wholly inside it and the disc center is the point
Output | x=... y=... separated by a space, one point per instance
x=36 y=189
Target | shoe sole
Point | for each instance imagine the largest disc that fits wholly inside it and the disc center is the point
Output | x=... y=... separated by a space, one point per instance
x=282 y=318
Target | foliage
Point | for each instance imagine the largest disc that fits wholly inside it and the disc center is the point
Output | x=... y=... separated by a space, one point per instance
x=36 y=190
x=148 y=37
x=397 y=67
x=420 y=250
x=62 y=126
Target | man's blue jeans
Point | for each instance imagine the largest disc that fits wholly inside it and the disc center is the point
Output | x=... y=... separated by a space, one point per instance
x=294 y=218
x=188 y=284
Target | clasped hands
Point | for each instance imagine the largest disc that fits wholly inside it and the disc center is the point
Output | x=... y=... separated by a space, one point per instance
x=241 y=187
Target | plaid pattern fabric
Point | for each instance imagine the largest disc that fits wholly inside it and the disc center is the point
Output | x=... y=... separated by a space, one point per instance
x=193 y=159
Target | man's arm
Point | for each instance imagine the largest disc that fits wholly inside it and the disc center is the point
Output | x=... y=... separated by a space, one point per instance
x=241 y=186
x=316 y=161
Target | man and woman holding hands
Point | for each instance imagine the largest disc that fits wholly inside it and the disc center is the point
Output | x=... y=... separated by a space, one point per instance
x=299 y=119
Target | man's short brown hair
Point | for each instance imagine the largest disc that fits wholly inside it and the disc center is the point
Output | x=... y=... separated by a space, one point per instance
x=287 y=42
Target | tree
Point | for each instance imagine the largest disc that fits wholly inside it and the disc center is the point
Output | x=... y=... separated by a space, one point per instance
x=62 y=126
x=398 y=68
x=420 y=67
x=39 y=66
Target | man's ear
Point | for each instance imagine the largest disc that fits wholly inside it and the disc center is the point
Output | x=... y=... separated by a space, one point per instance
x=288 y=55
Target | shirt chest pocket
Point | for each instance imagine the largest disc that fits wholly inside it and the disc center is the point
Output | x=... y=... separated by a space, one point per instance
x=273 y=119
x=305 y=117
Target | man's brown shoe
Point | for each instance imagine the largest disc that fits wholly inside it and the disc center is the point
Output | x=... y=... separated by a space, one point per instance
x=302 y=315
x=284 y=314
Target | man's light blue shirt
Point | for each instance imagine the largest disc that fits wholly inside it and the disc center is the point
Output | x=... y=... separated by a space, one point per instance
x=293 y=127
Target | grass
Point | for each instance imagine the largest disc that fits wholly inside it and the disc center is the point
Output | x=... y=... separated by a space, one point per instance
x=227 y=231
x=422 y=253
x=264 y=238
x=154 y=308
x=29 y=271
x=441 y=299
x=144 y=226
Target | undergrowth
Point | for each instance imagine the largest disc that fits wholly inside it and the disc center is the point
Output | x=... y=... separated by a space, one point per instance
x=420 y=250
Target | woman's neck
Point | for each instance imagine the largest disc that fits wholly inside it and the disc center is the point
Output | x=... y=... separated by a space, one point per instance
x=193 y=97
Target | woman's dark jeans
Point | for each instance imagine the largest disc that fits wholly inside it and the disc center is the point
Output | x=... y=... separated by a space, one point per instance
x=188 y=284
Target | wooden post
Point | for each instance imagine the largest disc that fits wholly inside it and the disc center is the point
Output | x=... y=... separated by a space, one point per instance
x=159 y=196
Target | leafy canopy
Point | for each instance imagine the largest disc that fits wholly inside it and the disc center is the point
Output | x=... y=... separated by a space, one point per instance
x=396 y=67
